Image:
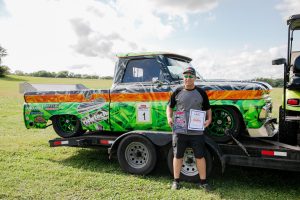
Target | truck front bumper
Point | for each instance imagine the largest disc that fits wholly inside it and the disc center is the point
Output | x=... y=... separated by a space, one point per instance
x=268 y=129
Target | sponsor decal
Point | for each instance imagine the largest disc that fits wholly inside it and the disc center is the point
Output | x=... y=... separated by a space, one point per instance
x=91 y=106
x=98 y=127
x=39 y=119
x=36 y=112
x=51 y=106
x=31 y=107
x=94 y=118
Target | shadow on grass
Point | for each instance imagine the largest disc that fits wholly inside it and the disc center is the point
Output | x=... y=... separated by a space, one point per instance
x=235 y=183
x=240 y=182
x=9 y=78
x=97 y=160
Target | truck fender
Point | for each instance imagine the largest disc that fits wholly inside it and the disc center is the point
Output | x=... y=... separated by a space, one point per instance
x=158 y=138
x=216 y=150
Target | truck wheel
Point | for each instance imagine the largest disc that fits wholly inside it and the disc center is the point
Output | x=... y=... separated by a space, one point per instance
x=136 y=155
x=189 y=170
x=287 y=130
x=223 y=118
x=67 y=126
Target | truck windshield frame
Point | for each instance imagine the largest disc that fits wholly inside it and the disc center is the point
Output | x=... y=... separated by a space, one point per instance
x=176 y=67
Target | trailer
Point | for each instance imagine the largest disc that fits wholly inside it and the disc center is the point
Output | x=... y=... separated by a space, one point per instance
x=137 y=152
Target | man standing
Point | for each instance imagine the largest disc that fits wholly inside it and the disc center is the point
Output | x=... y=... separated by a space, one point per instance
x=186 y=99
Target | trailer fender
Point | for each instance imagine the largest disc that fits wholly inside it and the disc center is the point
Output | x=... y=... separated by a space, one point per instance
x=158 y=138
x=216 y=150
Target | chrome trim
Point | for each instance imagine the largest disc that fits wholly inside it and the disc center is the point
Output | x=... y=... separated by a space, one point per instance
x=265 y=111
x=268 y=129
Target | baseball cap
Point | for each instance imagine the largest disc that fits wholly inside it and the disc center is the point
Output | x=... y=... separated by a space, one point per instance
x=190 y=70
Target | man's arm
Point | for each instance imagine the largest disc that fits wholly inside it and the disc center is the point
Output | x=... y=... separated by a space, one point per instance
x=170 y=115
x=208 y=118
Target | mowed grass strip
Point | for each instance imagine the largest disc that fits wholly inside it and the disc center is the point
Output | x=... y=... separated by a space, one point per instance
x=30 y=169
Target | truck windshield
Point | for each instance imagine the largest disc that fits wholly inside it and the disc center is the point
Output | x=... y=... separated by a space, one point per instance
x=176 y=67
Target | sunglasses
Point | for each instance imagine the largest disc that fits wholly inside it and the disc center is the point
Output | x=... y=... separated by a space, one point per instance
x=188 y=76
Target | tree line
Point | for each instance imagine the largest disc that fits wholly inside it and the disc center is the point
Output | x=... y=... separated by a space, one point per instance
x=60 y=74
x=4 y=70
x=278 y=82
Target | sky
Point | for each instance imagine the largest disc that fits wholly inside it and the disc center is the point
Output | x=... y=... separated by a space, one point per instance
x=227 y=39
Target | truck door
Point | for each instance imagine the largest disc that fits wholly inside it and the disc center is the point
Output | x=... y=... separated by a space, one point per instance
x=139 y=101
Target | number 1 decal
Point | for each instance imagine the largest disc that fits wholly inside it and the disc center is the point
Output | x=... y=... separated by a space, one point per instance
x=143 y=113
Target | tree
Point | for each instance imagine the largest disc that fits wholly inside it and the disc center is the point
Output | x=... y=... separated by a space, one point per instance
x=19 y=73
x=4 y=70
x=42 y=73
x=77 y=75
x=3 y=53
x=62 y=74
x=106 y=77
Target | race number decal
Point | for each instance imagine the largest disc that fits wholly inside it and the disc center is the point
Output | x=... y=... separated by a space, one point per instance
x=143 y=113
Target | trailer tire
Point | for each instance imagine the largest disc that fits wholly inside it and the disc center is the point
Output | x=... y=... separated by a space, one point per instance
x=224 y=118
x=189 y=170
x=137 y=155
x=67 y=126
x=287 y=130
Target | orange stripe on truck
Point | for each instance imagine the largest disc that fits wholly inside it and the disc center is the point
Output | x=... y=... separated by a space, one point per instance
x=60 y=98
x=131 y=97
x=235 y=94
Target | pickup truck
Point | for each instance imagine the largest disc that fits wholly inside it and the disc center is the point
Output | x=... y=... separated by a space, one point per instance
x=137 y=100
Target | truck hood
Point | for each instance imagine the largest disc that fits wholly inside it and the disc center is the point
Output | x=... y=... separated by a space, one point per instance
x=232 y=85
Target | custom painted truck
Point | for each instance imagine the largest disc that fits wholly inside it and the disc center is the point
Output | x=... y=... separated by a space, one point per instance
x=137 y=100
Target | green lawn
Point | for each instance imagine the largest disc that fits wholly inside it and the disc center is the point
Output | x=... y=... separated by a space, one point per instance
x=30 y=169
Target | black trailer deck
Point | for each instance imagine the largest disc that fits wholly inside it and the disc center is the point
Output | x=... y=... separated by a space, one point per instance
x=263 y=153
x=251 y=152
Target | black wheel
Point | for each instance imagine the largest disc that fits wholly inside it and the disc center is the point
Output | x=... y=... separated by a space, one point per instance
x=223 y=118
x=189 y=170
x=137 y=155
x=287 y=130
x=67 y=126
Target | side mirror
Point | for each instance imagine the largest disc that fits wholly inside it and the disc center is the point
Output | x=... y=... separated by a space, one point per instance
x=155 y=80
x=279 y=61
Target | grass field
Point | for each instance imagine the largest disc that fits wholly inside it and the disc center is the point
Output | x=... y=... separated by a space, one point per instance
x=30 y=169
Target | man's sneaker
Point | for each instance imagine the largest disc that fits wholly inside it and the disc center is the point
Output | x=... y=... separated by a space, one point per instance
x=206 y=187
x=175 y=186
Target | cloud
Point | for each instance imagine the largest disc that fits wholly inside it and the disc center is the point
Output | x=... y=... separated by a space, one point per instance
x=242 y=65
x=92 y=43
x=52 y=34
x=76 y=67
x=81 y=28
x=187 y=6
x=288 y=8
